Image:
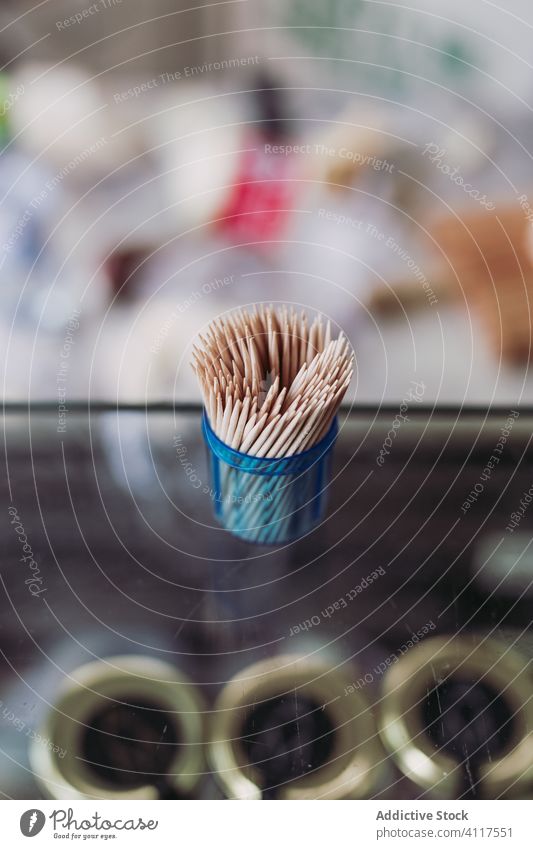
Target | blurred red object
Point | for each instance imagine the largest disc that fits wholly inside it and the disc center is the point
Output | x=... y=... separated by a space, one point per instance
x=262 y=198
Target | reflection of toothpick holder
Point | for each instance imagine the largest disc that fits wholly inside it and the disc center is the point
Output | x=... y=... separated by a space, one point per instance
x=269 y=501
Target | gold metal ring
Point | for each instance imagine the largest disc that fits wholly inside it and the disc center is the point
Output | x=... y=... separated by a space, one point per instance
x=57 y=754
x=404 y=731
x=352 y=767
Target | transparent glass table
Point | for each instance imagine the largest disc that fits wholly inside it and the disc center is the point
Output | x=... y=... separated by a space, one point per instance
x=111 y=550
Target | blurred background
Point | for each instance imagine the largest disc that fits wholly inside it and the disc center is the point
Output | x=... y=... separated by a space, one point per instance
x=162 y=165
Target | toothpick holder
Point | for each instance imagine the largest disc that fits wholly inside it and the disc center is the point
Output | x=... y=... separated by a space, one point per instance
x=269 y=501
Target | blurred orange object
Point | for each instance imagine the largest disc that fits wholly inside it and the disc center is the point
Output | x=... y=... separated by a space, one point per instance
x=486 y=257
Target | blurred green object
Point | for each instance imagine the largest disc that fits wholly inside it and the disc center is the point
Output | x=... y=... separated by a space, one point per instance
x=7 y=99
x=4 y=110
x=388 y=49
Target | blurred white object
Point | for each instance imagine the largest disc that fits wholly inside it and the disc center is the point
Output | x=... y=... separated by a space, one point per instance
x=141 y=350
x=503 y=565
x=64 y=118
x=197 y=134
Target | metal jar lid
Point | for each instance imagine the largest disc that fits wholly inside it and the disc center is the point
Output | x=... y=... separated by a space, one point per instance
x=353 y=764
x=58 y=757
x=471 y=663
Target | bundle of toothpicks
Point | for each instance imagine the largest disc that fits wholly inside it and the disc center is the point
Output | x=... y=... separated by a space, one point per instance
x=272 y=381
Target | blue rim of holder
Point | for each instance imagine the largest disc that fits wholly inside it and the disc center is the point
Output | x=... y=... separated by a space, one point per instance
x=295 y=464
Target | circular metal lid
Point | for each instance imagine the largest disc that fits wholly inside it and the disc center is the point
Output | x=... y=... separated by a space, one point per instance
x=313 y=717
x=125 y=701
x=457 y=715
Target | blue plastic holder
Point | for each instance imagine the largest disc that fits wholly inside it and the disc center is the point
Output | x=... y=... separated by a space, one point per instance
x=269 y=501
